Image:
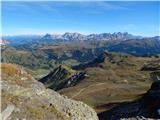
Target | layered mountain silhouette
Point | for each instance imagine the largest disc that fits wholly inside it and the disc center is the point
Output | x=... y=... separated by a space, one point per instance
x=102 y=36
x=73 y=37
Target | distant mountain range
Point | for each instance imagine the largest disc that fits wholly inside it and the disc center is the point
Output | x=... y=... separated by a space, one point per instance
x=101 y=36
x=121 y=36
x=84 y=47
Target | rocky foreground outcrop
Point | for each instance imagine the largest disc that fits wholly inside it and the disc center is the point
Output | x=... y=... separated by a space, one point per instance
x=23 y=98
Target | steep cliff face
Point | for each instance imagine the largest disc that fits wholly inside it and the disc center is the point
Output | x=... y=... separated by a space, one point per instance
x=26 y=99
x=62 y=77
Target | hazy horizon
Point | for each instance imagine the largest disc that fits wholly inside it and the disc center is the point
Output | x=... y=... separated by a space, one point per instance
x=53 y=33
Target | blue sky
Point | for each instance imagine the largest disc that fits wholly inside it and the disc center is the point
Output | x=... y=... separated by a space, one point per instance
x=139 y=18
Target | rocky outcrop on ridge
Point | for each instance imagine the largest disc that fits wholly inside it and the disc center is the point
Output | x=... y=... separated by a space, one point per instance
x=62 y=77
x=23 y=98
x=154 y=68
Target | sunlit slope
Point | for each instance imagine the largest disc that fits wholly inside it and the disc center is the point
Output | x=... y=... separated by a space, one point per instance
x=25 y=98
x=118 y=78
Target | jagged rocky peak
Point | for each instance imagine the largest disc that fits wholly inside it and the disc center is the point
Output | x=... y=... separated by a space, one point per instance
x=52 y=36
x=48 y=36
x=62 y=77
x=109 y=36
x=102 y=36
x=73 y=36
x=30 y=100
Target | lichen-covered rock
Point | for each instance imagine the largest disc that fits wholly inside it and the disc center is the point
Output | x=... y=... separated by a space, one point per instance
x=27 y=99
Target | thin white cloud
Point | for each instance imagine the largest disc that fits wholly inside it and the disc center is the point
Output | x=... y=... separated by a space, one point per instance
x=46 y=6
x=110 y=6
x=90 y=7
x=25 y=6
x=105 y=5
x=30 y=8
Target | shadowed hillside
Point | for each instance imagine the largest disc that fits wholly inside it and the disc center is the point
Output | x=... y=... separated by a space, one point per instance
x=62 y=77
